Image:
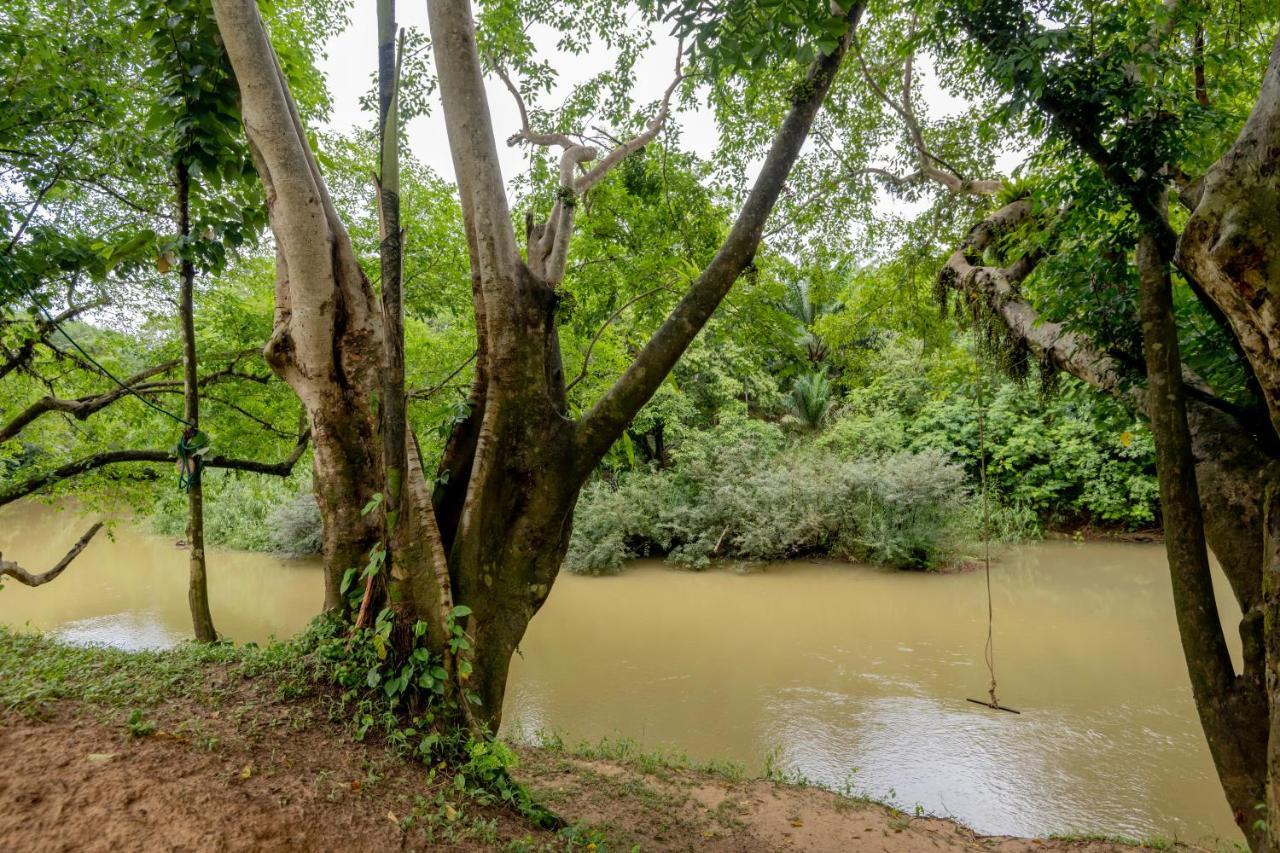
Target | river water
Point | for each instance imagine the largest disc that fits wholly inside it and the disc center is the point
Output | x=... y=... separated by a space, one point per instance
x=850 y=676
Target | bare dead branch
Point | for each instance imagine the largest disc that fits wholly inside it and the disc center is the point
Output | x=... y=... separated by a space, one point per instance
x=526 y=132
x=22 y=576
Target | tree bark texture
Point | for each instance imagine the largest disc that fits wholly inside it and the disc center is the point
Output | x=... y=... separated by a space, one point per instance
x=327 y=338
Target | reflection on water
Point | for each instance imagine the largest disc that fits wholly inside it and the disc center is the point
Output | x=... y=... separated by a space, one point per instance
x=129 y=589
x=853 y=677
x=856 y=677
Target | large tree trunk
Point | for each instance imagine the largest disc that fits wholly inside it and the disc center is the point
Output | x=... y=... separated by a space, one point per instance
x=327 y=337
x=198 y=589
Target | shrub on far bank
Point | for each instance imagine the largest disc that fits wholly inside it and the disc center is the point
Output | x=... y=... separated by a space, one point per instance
x=753 y=499
x=295 y=526
x=1070 y=457
x=239 y=510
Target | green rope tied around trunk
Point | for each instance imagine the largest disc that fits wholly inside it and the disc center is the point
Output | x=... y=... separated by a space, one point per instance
x=192 y=447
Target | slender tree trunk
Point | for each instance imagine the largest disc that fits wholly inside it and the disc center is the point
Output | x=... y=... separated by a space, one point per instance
x=1238 y=750
x=197 y=592
x=390 y=251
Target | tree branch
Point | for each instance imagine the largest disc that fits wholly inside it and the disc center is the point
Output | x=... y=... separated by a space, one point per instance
x=22 y=356
x=118 y=457
x=526 y=132
x=586 y=356
x=602 y=425
x=427 y=393
x=931 y=166
x=548 y=246
x=82 y=407
x=22 y=576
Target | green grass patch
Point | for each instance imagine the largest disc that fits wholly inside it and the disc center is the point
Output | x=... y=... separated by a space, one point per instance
x=37 y=672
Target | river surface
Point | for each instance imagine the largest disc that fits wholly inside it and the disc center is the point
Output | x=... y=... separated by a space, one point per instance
x=852 y=677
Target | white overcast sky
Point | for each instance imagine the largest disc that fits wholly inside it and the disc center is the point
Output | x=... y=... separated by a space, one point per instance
x=352 y=61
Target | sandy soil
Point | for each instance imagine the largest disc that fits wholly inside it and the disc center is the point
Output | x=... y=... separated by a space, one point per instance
x=273 y=776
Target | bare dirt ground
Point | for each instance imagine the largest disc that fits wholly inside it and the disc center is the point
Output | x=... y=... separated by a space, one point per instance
x=275 y=777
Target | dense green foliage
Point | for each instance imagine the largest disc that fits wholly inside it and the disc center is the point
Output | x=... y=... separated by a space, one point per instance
x=741 y=497
x=829 y=366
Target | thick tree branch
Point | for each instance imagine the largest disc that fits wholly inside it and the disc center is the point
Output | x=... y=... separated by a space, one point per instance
x=22 y=576
x=119 y=457
x=601 y=426
x=82 y=407
x=548 y=245
x=1231 y=244
x=1208 y=659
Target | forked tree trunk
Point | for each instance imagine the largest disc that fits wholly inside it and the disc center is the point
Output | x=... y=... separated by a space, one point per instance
x=521 y=459
x=198 y=587
x=515 y=467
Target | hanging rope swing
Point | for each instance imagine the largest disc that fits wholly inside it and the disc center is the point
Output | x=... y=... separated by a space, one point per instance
x=989 y=652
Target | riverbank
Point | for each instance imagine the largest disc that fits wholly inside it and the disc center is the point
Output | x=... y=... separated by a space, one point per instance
x=231 y=749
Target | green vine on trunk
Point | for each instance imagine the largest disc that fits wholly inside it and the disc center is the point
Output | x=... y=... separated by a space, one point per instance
x=392 y=684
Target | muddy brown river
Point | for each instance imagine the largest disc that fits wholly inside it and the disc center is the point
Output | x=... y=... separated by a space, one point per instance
x=852 y=677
